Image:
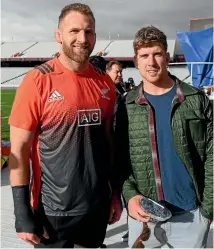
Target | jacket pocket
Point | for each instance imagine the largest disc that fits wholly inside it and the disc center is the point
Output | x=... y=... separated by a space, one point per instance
x=194 y=115
x=196 y=125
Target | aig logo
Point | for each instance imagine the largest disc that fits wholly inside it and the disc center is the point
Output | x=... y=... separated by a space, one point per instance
x=89 y=117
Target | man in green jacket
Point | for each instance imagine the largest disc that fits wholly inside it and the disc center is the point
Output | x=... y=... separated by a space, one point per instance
x=164 y=135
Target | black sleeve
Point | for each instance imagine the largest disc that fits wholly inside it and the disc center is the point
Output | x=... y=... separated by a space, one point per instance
x=121 y=144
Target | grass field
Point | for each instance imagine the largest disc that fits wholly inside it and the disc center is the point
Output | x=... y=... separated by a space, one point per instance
x=7 y=97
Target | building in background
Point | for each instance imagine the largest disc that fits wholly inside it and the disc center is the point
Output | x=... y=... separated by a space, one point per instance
x=200 y=23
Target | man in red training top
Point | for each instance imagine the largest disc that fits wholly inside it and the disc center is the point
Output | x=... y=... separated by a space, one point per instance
x=62 y=119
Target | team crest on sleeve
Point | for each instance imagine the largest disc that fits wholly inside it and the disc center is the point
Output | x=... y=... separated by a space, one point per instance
x=104 y=92
x=89 y=117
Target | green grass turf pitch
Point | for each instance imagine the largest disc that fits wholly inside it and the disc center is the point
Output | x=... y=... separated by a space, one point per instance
x=7 y=97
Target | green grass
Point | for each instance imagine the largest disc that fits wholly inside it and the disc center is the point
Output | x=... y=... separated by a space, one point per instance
x=7 y=97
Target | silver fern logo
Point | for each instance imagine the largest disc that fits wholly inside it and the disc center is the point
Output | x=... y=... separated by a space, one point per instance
x=104 y=92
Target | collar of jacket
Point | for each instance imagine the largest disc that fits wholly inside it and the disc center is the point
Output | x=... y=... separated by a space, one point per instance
x=183 y=90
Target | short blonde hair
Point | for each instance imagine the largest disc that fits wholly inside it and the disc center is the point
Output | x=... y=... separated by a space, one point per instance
x=78 y=7
x=148 y=37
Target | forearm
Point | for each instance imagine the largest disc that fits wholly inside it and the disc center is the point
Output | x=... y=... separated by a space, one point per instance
x=19 y=167
x=129 y=188
x=207 y=203
x=21 y=142
x=19 y=179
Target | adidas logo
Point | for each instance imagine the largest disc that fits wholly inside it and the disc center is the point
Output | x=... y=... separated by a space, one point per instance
x=55 y=96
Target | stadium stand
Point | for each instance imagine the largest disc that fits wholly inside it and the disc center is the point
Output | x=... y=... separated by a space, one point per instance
x=15 y=49
x=19 y=57
x=120 y=49
x=123 y=49
x=42 y=50
x=38 y=50
x=12 y=76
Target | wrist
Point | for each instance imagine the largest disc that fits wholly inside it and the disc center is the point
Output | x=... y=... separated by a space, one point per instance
x=24 y=216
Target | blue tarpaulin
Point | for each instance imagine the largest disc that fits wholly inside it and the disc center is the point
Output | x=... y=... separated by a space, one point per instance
x=197 y=46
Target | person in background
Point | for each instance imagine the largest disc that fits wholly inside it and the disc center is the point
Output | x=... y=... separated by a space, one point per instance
x=98 y=62
x=62 y=119
x=130 y=85
x=165 y=135
x=114 y=70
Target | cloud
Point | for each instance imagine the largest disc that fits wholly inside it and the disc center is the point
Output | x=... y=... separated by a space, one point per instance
x=26 y=20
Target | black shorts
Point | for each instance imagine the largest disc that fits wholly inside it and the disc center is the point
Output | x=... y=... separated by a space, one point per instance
x=86 y=230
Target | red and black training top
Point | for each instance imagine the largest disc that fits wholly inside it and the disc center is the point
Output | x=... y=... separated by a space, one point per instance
x=71 y=156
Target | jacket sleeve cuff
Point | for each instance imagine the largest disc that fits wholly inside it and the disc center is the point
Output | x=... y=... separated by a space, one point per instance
x=129 y=194
x=206 y=214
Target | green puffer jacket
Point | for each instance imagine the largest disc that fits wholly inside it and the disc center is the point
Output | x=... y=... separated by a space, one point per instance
x=192 y=129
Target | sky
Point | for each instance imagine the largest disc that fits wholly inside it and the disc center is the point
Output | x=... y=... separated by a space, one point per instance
x=36 y=20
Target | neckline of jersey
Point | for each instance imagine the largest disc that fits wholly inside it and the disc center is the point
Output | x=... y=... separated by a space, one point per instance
x=86 y=73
